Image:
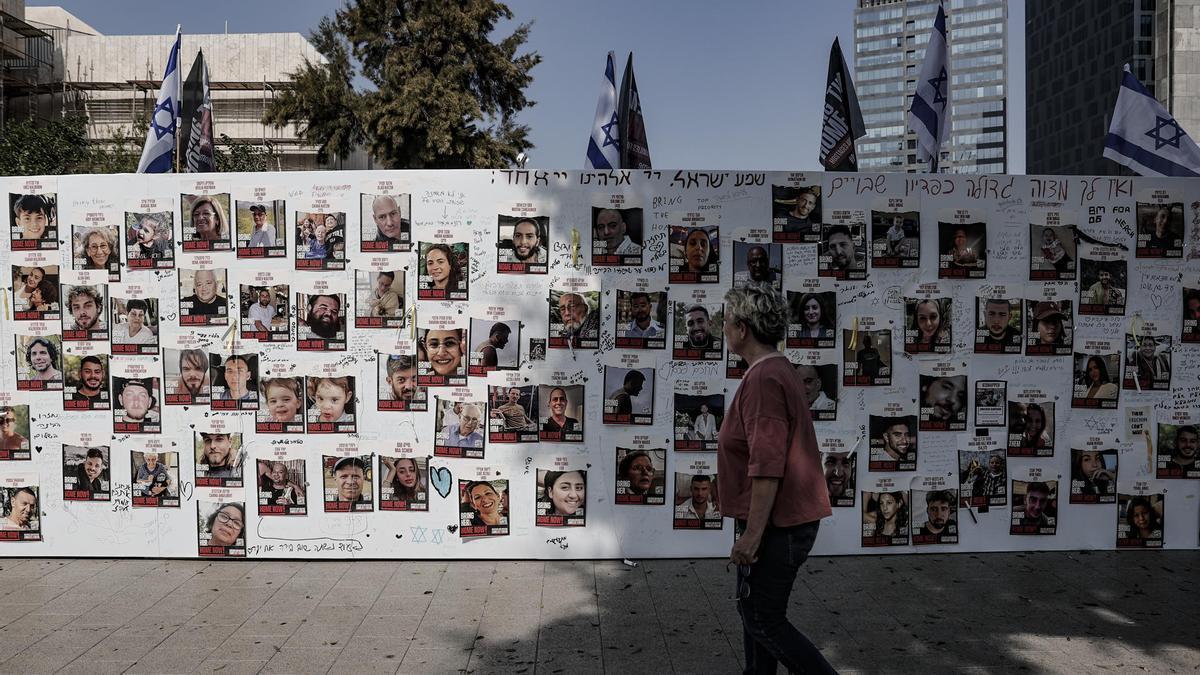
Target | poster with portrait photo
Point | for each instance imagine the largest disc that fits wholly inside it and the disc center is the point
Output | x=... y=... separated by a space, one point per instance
x=234 y=379
x=203 y=297
x=820 y=383
x=812 y=316
x=1147 y=360
x=265 y=312
x=331 y=405
x=991 y=407
x=221 y=529
x=498 y=345
x=135 y=325
x=641 y=318
x=628 y=395
x=39 y=362
x=1094 y=381
x=441 y=350
x=320 y=322
x=135 y=410
x=1190 y=333
x=998 y=324
x=641 y=476
x=699 y=334
x=403 y=483
x=796 y=212
x=33 y=221
x=1094 y=473
x=443 y=271
x=14 y=433
x=943 y=400
x=483 y=508
x=512 y=413
x=885 y=520
x=36 y=292
x=1049 y=328
x=698 y=412
x=84 y=318
x=757 y=262
x=379 y=298
x=1035 y=507
x=982 y=476
x=840 y=466
x=892 y=440
x=397 y=388
x=866 y=356
x=154 y=475
x=561 y=417
x=1031 y=426
x=261 y=228
x=186 y=376
x=320 y=240
x=281 y=403
x=97 y=247
x=928 y=325
x=574 y=313
x=695 y=249
x=561 y=497
x=206 y=223
x=85 y=384
x=934 y=516
x=1141 y=520
x=1177 y=447
x=458 y=428
x=20 y=508
x=386 y=222
x=895 y=239
x=149 y=240
x=842 y=252
x=522 y=238
x=1052 y=255
x=962 y=250
x=219 y=458
x=696 y=501
x=618 y=231
x=86 y=472
x=1159 y=227
x=282 y=485
x=1102 y=283
x=348 y=481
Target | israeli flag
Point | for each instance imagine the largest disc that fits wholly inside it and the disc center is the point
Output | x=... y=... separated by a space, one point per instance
x=1144 y=137
x=930 y=113
x=604 y=147
x=158 y=155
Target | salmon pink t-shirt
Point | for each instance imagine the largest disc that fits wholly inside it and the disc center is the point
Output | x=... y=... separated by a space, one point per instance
x=768 y=433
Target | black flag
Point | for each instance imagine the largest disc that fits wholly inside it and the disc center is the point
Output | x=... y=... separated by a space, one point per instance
x=196 y=127
x=635 y=151
x=843 y=122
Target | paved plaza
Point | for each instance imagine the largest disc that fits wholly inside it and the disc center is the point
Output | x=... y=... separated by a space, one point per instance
x=1034 y=612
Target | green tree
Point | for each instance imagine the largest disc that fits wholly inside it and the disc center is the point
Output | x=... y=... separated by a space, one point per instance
x=442 y=94
x=56 y=147
x=242 y=156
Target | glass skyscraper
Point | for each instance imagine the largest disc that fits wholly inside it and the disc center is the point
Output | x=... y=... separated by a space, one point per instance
x=889 y=46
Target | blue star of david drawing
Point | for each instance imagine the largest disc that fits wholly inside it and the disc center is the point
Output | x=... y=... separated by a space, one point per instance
x=437 y=536
x=1165 y=123
x=418 y=535
x=939 y=83
x=608 y=132
x=160 y=130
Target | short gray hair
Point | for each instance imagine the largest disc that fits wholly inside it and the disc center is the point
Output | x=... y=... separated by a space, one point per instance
x=761 y=307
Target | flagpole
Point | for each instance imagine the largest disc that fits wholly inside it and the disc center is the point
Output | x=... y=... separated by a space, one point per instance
x=178 y=93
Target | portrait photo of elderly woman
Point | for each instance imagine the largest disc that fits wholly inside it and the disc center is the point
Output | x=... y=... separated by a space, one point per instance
x=222 y=528
x=97 y=248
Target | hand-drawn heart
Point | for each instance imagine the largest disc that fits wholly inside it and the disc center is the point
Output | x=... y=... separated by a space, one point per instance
x=1156 y=300
x=187 y=491
x=441 y=479
x=38 y=448
x=452 y=528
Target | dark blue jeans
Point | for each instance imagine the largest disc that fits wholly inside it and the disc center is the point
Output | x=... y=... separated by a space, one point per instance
x=763 y=590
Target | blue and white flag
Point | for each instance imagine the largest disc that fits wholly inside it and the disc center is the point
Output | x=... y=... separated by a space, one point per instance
x=604 y=147
x=1144 y=137
x=930 y=112
x=158 y=155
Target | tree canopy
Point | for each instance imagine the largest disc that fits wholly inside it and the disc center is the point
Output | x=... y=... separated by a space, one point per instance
x=442 y=94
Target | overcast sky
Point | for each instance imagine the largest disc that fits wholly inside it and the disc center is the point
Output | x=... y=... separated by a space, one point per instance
x=723 y=85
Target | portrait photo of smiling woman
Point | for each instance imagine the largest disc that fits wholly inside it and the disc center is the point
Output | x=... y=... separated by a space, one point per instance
x=483 y=508
x=443 y=271
x=206 y=223
x=222 y=531
x=440 y=357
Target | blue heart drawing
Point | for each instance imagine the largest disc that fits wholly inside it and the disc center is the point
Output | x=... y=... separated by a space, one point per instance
x=440 y=478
